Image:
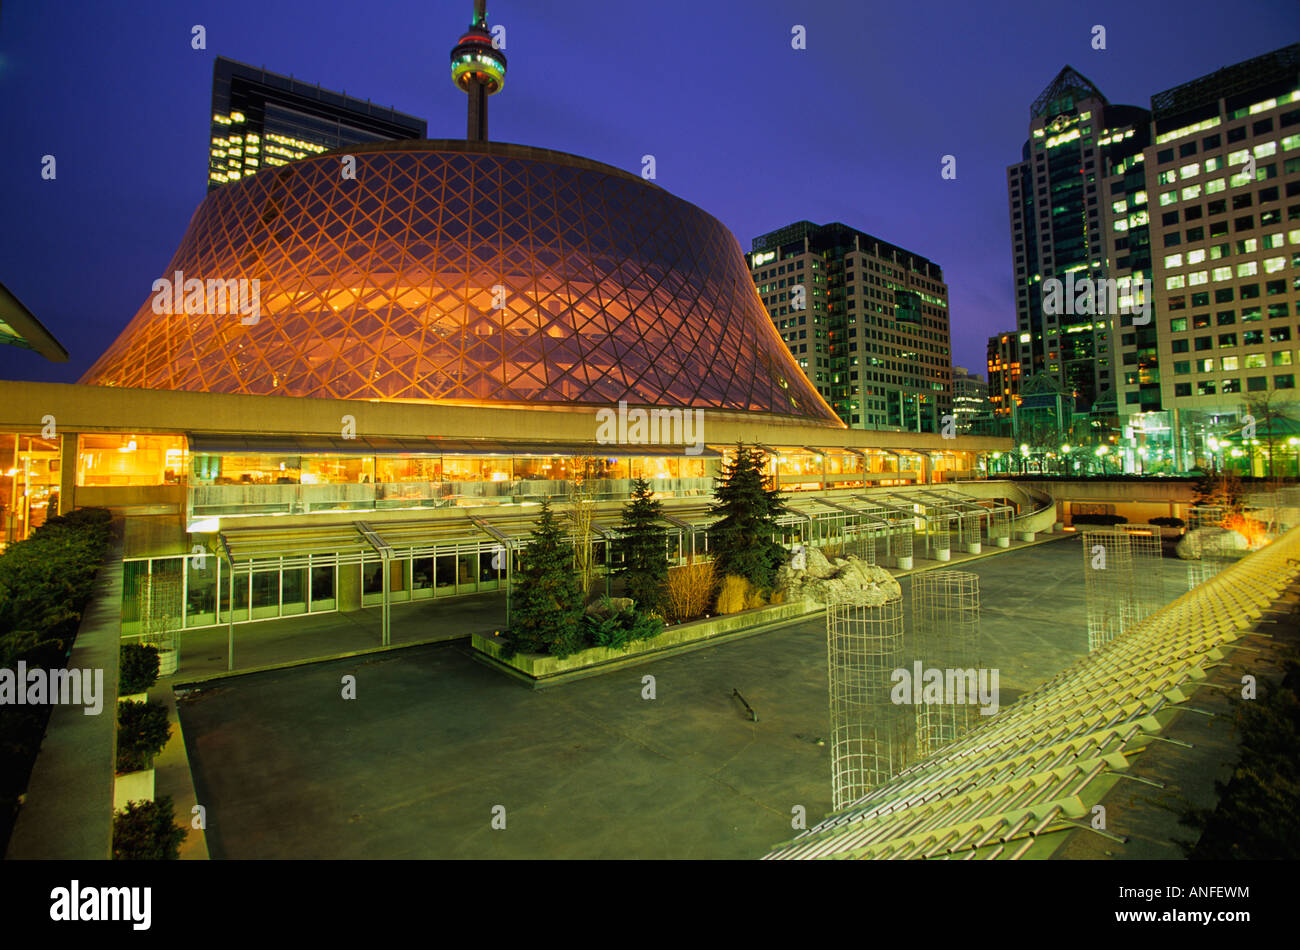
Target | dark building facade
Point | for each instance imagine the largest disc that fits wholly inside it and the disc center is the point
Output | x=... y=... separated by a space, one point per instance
x=867 y=321
x=1056 y=204
x=261 y=118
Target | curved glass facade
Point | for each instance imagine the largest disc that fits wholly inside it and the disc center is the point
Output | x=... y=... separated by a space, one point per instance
x=479 y=274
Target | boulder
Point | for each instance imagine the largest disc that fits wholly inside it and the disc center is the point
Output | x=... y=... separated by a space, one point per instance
x=843 y=580
x=1202 y=542
x=616 y=606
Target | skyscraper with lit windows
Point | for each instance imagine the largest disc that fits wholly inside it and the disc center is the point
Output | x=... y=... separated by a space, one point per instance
x=261 y=118
x=1056 y=202
x=867 y=321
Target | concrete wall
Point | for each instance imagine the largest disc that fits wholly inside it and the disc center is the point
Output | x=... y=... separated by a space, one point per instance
x=110 y=409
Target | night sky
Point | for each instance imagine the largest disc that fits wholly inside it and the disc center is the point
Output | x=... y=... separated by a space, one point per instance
x=851 y=129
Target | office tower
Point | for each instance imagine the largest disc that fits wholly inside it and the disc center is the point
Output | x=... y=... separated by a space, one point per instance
x=970 y=396
x=1004 y=372
x=261 y=118
x=1223 y=173
x=866 y=320
x=1055 y=192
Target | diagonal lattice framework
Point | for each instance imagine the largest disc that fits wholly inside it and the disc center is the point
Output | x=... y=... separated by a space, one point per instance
x=870 y=734
x=945 y=636
x=467 y=272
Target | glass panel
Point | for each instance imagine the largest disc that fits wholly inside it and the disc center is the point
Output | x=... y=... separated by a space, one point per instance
x=266 y=593
x=127 y=459
x=466 y=573
x=322 y=587
x=294 y=581
x=201 y=591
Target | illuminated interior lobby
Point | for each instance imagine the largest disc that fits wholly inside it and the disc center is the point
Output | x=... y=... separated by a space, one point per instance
x=437 y=333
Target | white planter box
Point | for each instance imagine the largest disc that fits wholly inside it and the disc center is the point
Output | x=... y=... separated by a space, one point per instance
x=168 y=661
x=132 y=787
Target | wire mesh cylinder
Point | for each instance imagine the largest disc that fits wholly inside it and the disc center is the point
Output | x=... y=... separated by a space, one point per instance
x=968 y=524
x=1000 y=526
x=869 y=733
x=860 y=541
x=902 y=539
x=1108 y=585
x=945 y=636
x=1215 y=550
x=1148 y=550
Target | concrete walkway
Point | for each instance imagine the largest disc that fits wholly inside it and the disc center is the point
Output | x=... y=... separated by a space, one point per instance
x=68 y=812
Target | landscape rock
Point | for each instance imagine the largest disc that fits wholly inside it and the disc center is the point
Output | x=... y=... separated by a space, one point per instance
x=1196 y=543
x=838 y=580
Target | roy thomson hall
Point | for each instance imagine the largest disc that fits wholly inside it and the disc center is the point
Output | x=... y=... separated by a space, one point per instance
x=439 y=344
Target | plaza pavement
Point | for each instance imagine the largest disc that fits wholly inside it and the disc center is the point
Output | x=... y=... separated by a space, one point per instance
x=434 y=741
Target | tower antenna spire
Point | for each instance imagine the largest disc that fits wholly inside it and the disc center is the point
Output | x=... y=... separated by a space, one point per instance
x=478 y=69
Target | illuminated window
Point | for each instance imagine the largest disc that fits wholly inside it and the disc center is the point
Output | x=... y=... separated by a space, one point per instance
x=131 y=459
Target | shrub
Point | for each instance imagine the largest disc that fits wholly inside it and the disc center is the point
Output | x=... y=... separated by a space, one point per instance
x=142 y=731
x=617 y=629
x=1110 y=520
x=689 y=590
x=147 y=831
x=645 y=626
x=642 y=548
x=547 y=611
x=733 y=595
x=1165 y=521
x=742 y=538
x=139 y=668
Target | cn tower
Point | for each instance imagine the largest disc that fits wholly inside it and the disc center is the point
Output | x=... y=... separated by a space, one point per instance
x=479 y=69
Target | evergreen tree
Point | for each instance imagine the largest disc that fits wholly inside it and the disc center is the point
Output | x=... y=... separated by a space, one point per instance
x=742 y=538
x=642 y=545
x=546 y=611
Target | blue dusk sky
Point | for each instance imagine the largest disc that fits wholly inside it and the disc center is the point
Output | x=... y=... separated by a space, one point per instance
x=853 y=128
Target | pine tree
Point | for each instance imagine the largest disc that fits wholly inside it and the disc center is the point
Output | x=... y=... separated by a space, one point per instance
x=642 y=545
x=741 y=540
x=546 y=612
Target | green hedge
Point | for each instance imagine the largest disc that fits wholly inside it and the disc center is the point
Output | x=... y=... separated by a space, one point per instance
x=137 y=669
x=142 y=731
x=45 y=584
x=147 y=831
x=1109 y=520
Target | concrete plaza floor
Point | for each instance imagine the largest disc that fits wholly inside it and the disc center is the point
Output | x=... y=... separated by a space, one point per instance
x=435 y=740
x=205 y=652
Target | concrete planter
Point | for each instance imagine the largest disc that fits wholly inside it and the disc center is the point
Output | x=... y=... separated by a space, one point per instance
x=1003 y=542
x=132 y=787
x=168 y=662
x=904 y=563
x=975 y=548
x=540 y=666
x=943 y=554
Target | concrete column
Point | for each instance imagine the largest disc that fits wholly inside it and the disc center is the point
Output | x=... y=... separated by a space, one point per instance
x=348 y=586
x=67 y=473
